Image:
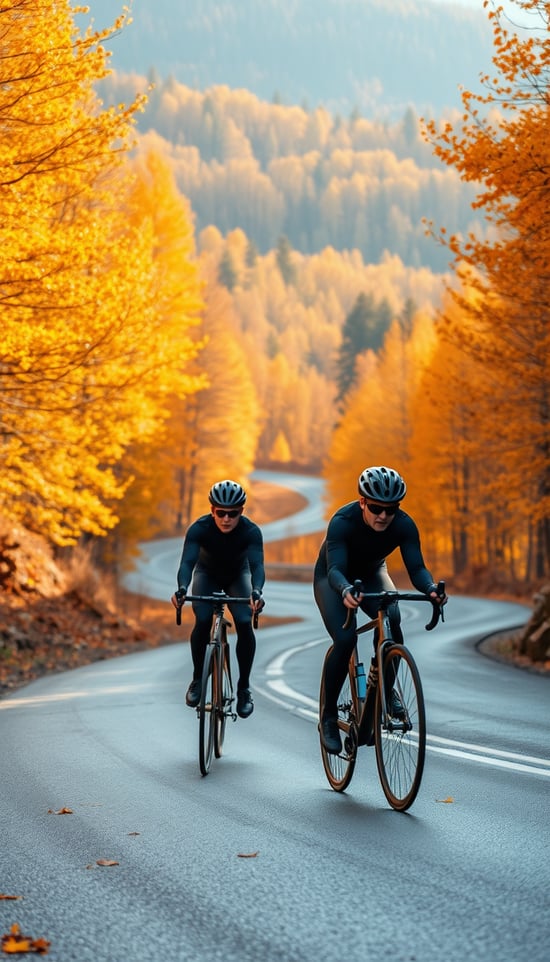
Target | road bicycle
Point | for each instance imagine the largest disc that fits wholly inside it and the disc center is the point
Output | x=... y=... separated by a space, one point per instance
x=217 y=696
x=386 y=709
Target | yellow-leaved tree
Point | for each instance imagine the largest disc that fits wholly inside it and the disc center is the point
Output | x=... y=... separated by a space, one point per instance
x=449 y=495
x=214 y=434
x=502 y=143
x=85 y=368
x=375 y=427
x=154 y=461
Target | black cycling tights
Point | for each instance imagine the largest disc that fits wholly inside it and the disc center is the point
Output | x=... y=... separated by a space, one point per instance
x=240 y=587
x=245 y=649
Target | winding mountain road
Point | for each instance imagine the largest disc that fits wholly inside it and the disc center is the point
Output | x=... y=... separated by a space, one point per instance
x=261 y=860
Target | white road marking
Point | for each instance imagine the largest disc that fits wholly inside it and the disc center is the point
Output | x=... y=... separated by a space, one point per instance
x=279 y=691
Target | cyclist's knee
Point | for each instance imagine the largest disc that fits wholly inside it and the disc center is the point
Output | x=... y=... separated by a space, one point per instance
x=342 y=648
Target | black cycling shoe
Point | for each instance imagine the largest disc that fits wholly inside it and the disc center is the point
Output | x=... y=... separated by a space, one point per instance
x=330 y=736
x=193 y=695
x=396 y=707
x=245 y=705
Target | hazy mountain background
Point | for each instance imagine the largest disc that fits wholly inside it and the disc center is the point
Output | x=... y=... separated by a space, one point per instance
x=375 y=56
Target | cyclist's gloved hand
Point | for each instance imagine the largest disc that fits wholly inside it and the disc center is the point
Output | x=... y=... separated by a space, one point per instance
x=351 y=595
x=258 y=603
x=437 y=592
x=178 y=598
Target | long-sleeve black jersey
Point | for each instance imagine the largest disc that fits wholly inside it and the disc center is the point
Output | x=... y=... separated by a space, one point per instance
x=223 y=554
x=352 y=549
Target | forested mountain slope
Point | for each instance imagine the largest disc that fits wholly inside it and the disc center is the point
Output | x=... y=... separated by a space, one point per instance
x=377 y=56
x=274 y=170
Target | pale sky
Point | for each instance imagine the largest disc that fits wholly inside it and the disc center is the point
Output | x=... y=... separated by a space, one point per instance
x=478 y=4
x=510 y=7
x=463 y=3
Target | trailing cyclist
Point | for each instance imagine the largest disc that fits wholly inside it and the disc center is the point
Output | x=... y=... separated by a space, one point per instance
x=223 y=551
x=359 y=537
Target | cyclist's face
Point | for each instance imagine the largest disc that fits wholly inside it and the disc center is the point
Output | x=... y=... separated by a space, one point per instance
x=223 y=519
x=378 y=522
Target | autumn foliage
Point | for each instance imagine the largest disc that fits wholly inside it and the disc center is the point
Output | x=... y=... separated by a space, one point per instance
x=498 y=316
x=463 y=412
x=89 y=351
x=138 y=363
x=15 y=942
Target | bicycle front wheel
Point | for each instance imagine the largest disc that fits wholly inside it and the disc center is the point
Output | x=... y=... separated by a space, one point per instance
x=223 y=709
x=207 y=708
x=339 y=768
x=400 y=737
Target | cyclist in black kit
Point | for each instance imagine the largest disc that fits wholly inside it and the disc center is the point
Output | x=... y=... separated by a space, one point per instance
x=223 y=551
x=360 y=536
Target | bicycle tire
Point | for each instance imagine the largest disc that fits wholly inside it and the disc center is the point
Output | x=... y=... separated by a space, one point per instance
x=401 y=746
x=207 y=708
x=223 y=709
x=339 y=768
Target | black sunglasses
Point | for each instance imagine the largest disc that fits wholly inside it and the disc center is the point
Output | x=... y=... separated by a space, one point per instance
x=390 y=509
x=223 y=512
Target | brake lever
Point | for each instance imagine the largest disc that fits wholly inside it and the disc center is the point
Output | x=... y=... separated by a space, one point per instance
x=355 y=591
x=437 y=608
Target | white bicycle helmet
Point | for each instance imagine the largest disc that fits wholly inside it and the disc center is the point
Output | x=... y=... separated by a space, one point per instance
x=227 y=494
x=382 y=484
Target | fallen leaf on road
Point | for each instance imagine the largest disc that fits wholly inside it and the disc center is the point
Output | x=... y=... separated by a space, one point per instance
x=15 y=942
x=446 y=801
x=10 y=897
x=133 y=833
x=106 y=861
x=61 y=811
x=247 y=855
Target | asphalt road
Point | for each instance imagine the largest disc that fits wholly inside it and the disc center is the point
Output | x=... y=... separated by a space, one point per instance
x=261 y=860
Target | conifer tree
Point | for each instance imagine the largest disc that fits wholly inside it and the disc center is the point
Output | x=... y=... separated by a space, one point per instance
x=359 y=333
x=284 y=260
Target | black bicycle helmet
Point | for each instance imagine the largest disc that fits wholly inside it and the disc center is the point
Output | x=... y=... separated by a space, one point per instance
x=382 y=484
x=227 y=494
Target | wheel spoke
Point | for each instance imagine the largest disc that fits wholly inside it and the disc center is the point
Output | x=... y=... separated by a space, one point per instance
x=224 y=708
x=401 y=736
x=207 y=714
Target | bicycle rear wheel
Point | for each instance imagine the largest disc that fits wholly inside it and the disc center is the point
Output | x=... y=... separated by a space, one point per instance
x=401 y=740
x=339 y=768
x=207 y=708
x=225 y=702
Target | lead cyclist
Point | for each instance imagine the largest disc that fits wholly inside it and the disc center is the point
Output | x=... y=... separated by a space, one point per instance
x=359 y=538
